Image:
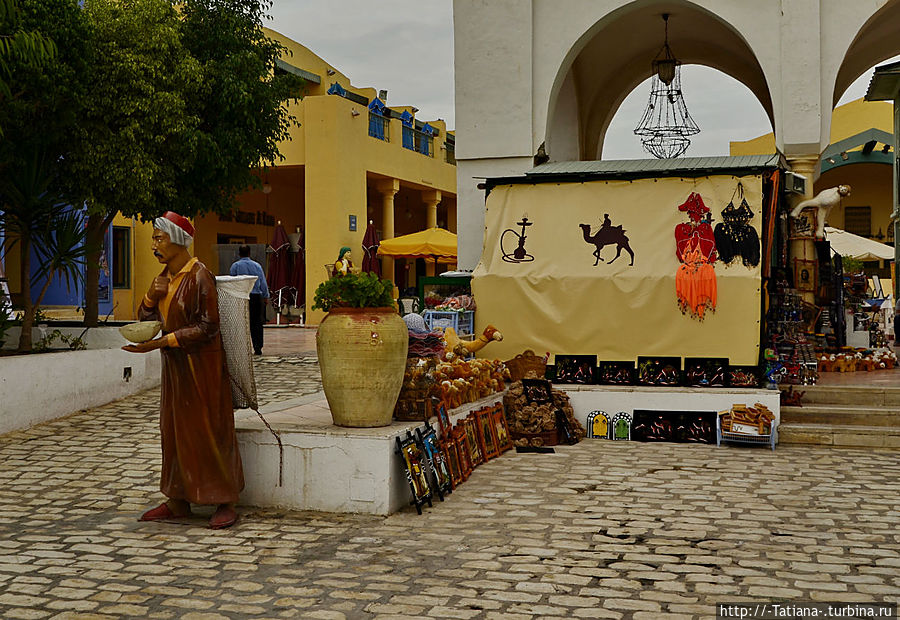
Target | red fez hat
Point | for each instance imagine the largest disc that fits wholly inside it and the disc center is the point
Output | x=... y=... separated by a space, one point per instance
x=180 y=221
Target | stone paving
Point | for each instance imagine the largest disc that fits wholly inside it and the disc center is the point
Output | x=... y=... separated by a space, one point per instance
x=597 y=530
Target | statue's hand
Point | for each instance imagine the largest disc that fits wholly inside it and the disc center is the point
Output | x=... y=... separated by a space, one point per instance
x=145 y=347
x=158 y=288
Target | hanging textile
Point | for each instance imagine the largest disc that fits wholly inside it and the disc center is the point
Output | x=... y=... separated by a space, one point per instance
x=735 y=237
x=695 y=247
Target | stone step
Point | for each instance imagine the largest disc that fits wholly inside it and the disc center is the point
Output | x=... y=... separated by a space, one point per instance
x=844 y=415
x=855 y=395
x=839 y=435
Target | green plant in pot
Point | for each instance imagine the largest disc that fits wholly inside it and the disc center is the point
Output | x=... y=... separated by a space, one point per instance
x=362 y=345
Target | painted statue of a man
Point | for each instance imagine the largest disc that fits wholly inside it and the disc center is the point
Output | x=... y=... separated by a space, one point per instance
x=201 y=463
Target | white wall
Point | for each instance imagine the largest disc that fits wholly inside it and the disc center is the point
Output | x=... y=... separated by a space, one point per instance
x=470 y=202
x=41 y=387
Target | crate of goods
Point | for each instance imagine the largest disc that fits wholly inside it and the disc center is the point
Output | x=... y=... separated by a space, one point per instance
x=463 y=322
x=743 y=424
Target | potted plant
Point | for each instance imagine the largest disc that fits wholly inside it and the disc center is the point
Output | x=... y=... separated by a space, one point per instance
x=362 y=345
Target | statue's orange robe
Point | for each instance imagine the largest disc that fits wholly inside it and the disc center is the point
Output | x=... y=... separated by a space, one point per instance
x=200 y=458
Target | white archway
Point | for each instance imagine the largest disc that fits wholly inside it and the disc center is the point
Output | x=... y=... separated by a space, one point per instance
x=614 y=56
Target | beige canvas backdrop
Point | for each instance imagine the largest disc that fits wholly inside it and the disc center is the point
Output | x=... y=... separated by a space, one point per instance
x=562 y=304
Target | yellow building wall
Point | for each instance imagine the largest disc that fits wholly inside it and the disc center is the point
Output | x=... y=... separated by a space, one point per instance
x=870 y=183
x=871 y=187
x=144 y=267
x=846 y=121
x=330 y=165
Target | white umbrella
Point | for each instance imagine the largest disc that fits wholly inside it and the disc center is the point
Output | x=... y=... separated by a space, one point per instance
x=854 y=246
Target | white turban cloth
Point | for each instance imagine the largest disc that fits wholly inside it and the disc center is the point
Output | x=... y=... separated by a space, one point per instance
x=177 y=234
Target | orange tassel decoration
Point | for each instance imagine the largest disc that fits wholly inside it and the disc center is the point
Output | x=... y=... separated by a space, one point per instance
x=695 y=280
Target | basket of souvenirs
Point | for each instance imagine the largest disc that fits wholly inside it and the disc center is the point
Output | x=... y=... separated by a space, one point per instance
x=526 y=364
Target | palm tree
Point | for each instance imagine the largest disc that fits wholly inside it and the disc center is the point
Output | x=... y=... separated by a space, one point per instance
x=35 y=216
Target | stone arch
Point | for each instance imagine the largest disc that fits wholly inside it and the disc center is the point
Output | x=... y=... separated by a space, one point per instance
x=613 y=56
x=877 y=40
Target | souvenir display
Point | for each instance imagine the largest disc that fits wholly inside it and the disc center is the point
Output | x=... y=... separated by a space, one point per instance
x=437 y=461
x=476 y=455
x=820 y=206
x=537 y=391
x=755 y=420
x=504 y=439
x=486 y=434
x=697 y=427
x=564 y=430
x=454 y=383
x=735 y=237
x=444 y=423
x=415 y=463
x=462 y=450
x=526 y=365
x=806 y=278
x=455 y=347
x=597 y=425
x=695 y=247
x=621 y=427
x=448 y=447
x=790 y=398
x=652 y=426
x=743 y=376
x=616 y=373
x=864 y=360
x=575 y=368
x=749 y=425
x=658 y=370
x=705 y=371
x=532 y=417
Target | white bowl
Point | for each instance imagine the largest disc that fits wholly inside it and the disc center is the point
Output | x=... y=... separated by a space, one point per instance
x=141 y=331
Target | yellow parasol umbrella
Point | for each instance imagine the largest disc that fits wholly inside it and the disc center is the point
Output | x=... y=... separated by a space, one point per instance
x=435 y=243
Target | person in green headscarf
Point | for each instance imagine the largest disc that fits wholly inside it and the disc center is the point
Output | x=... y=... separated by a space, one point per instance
x=343 y=264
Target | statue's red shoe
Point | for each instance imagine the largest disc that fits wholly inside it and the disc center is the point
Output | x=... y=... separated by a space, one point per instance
x=225 y=516
x=160 y=513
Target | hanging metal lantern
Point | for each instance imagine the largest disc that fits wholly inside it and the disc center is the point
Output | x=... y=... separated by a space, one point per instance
x=666 y=122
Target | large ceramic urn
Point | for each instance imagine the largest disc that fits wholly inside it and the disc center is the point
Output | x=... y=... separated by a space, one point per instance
x=362 y=355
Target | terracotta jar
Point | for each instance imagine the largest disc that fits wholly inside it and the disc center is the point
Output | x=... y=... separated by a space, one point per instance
x=362 y=355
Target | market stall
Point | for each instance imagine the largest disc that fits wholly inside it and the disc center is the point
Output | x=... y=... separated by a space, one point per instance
x=618 y=260
x=644 y=277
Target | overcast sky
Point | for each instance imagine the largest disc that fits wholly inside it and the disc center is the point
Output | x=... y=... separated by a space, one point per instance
x=406 y=48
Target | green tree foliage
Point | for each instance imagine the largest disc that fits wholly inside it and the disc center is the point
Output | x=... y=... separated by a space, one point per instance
x=38 y=117
x=19 y=44
x=242 y=103
x=190 y=103
x=136 y=135
x=37 y=215
x=46 y=99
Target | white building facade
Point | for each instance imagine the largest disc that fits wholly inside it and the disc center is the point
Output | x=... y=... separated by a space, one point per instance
x=554 y=72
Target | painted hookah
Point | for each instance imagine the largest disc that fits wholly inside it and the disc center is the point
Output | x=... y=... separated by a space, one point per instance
x=519 y=255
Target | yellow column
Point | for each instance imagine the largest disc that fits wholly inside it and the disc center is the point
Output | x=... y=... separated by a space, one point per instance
x=388 y=189
x=431 y=198
x=804 y=249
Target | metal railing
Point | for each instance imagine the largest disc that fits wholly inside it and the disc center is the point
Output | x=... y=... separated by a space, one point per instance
x=450 y=153
x=379 y=127
x=418 y=141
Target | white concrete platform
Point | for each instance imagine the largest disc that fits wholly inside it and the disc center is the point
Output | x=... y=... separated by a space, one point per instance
x=615 y=398
x=326 y=467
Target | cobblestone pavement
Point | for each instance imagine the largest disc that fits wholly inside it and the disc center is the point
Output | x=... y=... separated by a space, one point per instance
x=598 y=530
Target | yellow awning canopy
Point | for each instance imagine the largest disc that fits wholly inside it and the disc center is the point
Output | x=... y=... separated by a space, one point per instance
x=429 y=243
